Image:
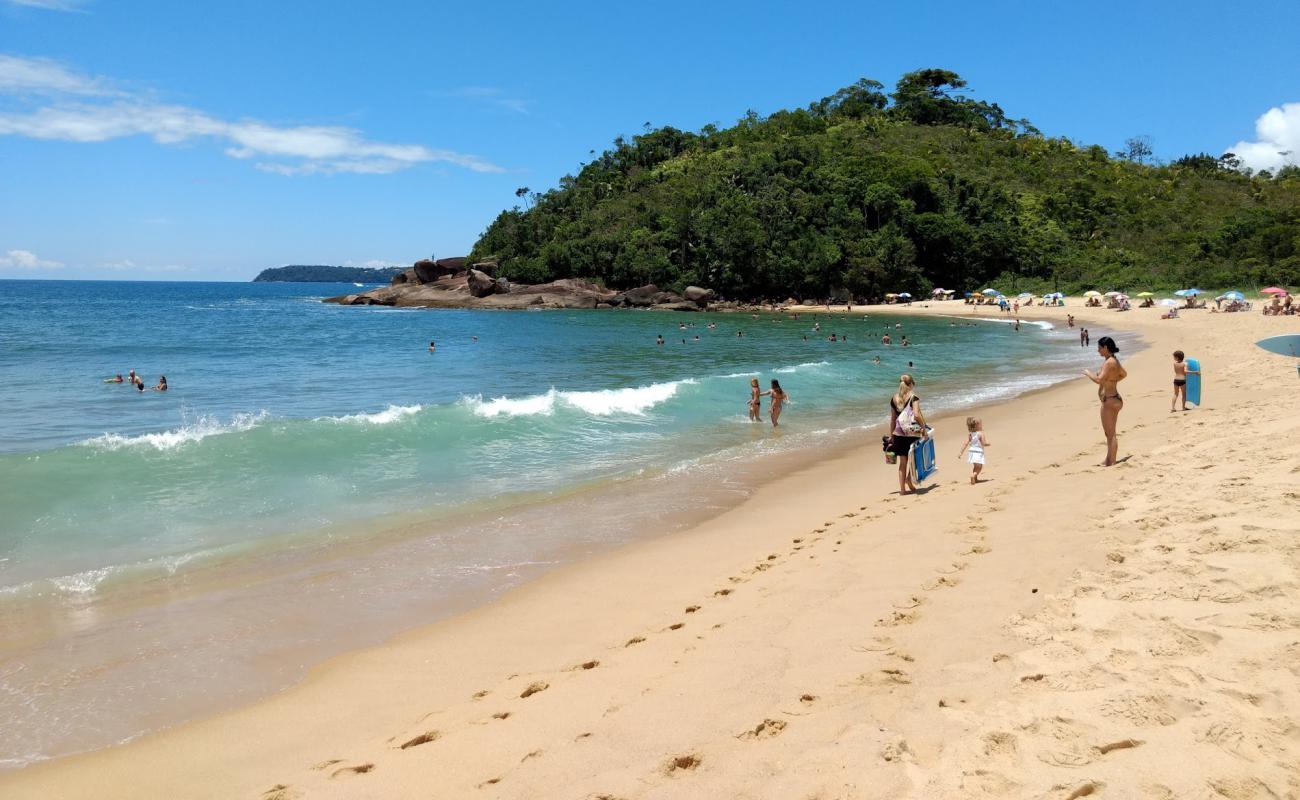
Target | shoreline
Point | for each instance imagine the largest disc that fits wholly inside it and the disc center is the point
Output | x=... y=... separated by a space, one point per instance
x=585 y=611
x=288 y=663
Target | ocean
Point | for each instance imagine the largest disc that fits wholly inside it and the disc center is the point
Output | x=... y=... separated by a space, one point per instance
x=316 y=479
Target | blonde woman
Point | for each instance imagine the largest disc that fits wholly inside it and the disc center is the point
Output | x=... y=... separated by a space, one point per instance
x=907 y=426
x=755 y=403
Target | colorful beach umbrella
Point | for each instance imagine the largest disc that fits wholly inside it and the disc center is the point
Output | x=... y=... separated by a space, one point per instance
x=1146 y=294
x=1185 y=293
x=1233 y=295
x=904 y=294
x=992 y=292
x=1092 y=293
x=1273 y=290
x=1113 y=294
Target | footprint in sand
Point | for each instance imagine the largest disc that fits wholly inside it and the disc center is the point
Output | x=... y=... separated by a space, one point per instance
x=534 y=688
x=424 y=738
x=897 y=618
x=359 y=769
x=766 y=729
x=634 y=640
x=942 y=582
x=679 y=764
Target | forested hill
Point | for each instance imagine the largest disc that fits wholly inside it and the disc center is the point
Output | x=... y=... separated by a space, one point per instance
x=865 y=192
x=320 y=273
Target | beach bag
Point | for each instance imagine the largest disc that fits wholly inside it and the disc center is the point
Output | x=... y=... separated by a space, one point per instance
x=907 y=424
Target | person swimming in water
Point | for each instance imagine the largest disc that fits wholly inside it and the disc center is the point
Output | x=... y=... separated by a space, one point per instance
x=876 y=361
x=162 y=384
x=115 y=379
x=433 y=346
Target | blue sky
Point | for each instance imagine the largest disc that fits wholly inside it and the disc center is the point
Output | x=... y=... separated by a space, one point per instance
x=206 y=141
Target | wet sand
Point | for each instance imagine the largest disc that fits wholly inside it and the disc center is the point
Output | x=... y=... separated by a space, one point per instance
x=1061 y=630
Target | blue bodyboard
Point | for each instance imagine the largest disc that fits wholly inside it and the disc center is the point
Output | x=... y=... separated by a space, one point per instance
x=921 y=459
x=1193 y=381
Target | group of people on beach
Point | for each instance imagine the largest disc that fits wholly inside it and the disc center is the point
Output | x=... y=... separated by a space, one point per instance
x=138 y=382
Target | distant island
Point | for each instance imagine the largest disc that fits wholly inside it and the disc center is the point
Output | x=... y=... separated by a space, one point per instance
x=323 y=273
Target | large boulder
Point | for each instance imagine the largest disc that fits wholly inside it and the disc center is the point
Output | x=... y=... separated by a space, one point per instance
x=659 y=298
x=641 y=297
x=428 y=271
x=486 y=267
x=679 y=305
x=480 y=284
x=698 y=296
x=403 y=278
x=503 y=285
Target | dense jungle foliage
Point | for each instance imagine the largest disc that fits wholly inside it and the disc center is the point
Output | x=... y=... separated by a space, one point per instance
x=865 y=192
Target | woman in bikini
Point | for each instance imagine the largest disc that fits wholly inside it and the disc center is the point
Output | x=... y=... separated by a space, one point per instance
x=900 y=443
x=778 y=399
x=1107 y=380
x=755 y=403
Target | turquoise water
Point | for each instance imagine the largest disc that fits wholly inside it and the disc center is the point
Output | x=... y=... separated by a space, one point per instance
x=294 y=426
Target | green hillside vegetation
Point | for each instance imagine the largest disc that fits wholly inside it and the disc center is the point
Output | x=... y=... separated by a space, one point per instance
x=323 y=273
x=863 y=193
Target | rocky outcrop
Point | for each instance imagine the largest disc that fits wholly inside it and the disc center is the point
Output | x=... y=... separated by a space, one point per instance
x=455 y=291
x=480 y=284
x=486 y=267
x=446 y=283
x=698 y=296
x=642 y=297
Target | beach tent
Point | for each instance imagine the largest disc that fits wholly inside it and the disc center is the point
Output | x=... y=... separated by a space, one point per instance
x=1092 y=293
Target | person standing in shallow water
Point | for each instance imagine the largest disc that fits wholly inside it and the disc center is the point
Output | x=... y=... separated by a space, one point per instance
x=779 y=397
x=755 y=404
x=1107 y=380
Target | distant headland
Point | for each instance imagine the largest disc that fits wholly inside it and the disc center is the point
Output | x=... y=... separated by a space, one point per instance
x=322 y=273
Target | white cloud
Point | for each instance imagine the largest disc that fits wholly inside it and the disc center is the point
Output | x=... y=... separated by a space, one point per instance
x=26 y=259
x=298 y=149
x=50 y=5
x=1277 y=139
x=43 y=76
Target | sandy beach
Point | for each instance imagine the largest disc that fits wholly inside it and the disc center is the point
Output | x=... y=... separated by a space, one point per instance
x=1062 y=630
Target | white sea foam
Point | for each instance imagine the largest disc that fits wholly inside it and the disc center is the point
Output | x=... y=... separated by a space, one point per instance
x=507 y=407
x=1038 y=323
x=195 y=431
x=636 y=400
x=805 y=366
x=388 y=415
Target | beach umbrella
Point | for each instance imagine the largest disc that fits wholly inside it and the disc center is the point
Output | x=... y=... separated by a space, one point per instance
x=1183 y=292
x=939 y=291
x=1168 y=302
x=904 y=294
x=969 y=294
x=992 y=292
x=1233 y=295
x=1092 y=293
x=1112 y=294
x=1272 y=290
x=1194 y=292
x=1146 y=294
x=1024 y=295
